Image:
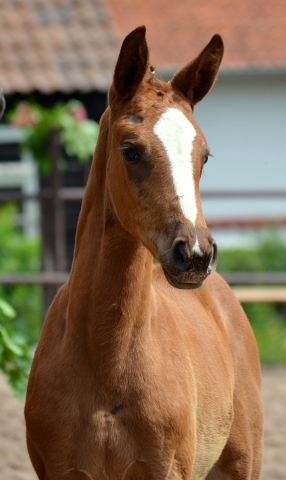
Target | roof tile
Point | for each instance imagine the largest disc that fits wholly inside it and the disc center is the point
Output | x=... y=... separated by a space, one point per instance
x=254 y=31
x=71 y=45
x=56 y=45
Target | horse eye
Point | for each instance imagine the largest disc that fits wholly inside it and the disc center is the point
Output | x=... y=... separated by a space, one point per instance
x=131 y=155
x=206 y=159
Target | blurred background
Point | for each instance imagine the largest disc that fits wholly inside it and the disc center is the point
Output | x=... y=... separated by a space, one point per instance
x=56 y=65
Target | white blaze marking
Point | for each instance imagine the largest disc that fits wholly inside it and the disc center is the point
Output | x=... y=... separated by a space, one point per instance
x=177 y=135
x=196 y=248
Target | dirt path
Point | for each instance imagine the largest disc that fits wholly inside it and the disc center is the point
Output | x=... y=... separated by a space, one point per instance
x=274 y=399
x=15 y=464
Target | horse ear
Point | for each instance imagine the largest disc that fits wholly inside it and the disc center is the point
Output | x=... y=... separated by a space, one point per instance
x=198 y=76
x=132 y=63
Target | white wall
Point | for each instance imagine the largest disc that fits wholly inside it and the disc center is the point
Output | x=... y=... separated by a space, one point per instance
x=22 y=174
x=244 y=121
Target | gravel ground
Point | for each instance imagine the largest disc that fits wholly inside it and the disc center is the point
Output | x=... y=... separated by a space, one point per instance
x=15 y=463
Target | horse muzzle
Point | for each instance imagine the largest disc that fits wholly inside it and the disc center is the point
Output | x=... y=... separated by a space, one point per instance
x=187 y=259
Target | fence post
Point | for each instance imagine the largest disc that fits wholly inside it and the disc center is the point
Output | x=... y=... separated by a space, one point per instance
x=53 y=223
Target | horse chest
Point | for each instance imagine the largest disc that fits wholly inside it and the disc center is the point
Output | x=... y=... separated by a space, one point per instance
x=146 y=426
x=105 y=442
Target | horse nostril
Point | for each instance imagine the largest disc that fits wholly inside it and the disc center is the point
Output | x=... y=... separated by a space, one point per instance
x=213 y=261
x=180 y=255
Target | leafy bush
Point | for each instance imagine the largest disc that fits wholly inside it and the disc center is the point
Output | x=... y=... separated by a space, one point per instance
x=78 y=134
x=268 y=320
x=20 y=254
x=15 y=357
x=268 y=255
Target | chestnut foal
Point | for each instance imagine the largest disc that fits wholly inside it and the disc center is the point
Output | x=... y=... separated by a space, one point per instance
x=146 y=373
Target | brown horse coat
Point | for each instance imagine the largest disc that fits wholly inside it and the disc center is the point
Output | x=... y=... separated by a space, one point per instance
x=134 y=379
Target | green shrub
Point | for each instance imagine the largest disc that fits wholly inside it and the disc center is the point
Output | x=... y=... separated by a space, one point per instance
x=15 y=356
x=20 y=254
x=268 y=320
x=268 y=255
x=78 y=134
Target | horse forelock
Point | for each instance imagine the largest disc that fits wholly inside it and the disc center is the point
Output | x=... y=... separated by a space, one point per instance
x=151 y=92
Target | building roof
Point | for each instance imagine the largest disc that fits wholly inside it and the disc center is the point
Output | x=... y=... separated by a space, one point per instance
x=254 y=31
x=69 y=45
x=56 y=45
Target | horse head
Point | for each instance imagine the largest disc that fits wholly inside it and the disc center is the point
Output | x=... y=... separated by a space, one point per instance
x=157 y=156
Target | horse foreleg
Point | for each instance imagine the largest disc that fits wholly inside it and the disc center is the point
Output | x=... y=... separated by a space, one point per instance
x=140 y=470
x=242 y=456
x=36 y=460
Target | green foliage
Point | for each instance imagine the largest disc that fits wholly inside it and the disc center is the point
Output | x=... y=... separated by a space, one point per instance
x=20 y=254
x=268 y=320
x=78 y=134
x=79 y=139
x=20 y=325
x=15 y=357
x=268 y=255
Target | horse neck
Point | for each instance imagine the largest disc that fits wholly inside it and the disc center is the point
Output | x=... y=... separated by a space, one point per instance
x=110 y=283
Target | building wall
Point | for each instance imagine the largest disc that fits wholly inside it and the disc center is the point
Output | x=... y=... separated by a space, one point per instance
x=244 y=121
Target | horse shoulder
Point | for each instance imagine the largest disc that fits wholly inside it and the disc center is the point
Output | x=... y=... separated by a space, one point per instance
x=226 y=308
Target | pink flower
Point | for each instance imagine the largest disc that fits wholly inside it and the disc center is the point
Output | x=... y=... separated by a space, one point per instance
x=79 y=113
x=24 y=115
